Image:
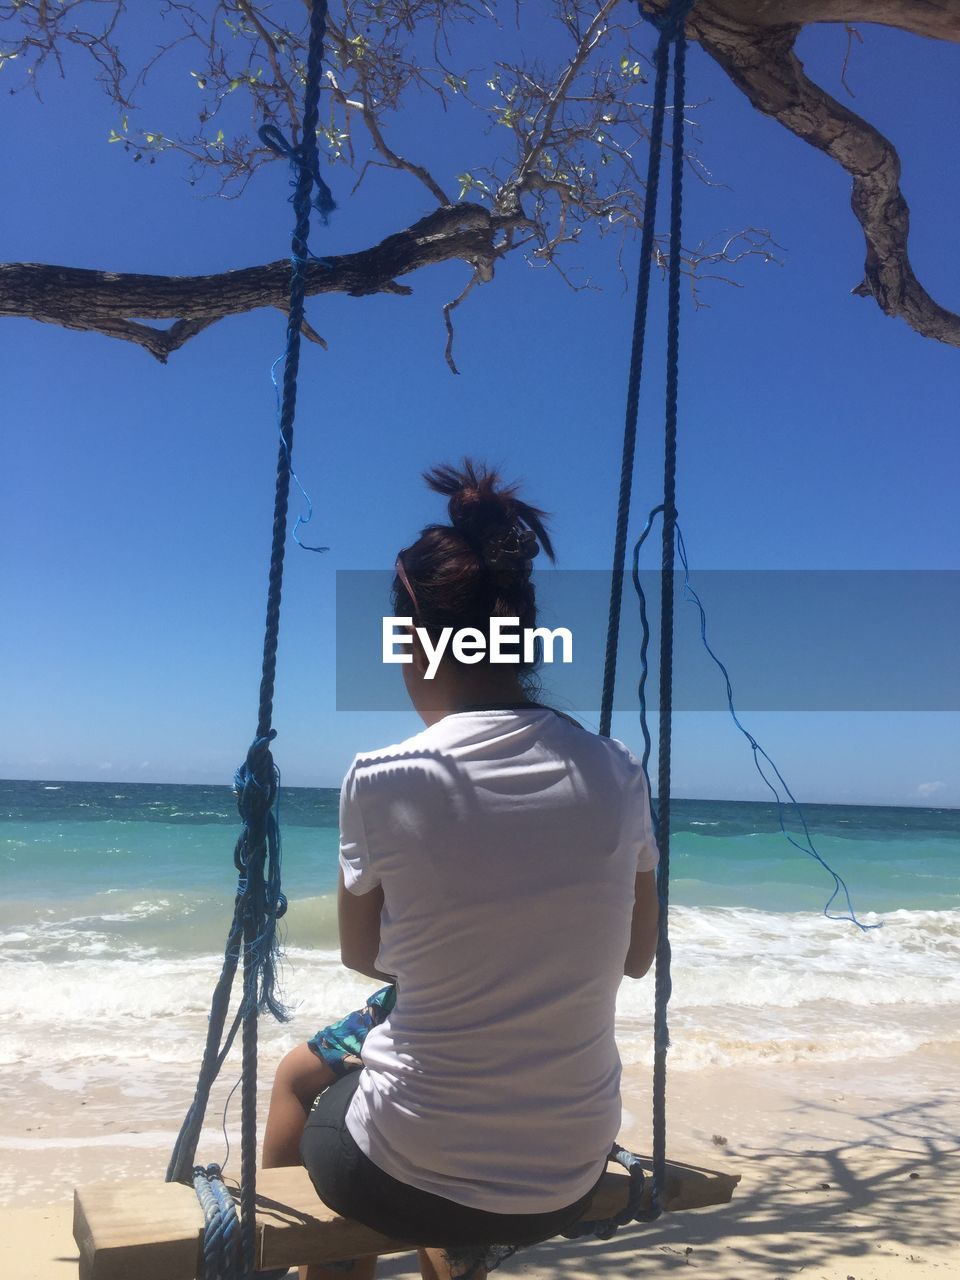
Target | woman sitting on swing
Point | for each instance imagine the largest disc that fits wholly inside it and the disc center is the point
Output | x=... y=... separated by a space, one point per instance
x=497 y=870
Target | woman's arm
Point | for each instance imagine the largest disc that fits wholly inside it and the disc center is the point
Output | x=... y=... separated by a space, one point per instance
x=643 y=929
x=359 y=918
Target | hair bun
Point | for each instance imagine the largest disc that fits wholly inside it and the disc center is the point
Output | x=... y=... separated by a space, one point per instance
x=478 y=505
x=517 y=545
x=505 y=532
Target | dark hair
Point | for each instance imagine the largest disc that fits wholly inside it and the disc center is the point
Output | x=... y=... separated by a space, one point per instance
x=479 y=566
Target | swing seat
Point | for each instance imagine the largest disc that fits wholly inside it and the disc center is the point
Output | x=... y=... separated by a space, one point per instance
x=154 y=1230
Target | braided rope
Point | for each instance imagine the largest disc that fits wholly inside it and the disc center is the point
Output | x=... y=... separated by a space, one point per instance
x=605 y=1228
x=304 y=157
x=662 y=979
x=229 y=1242
x=213 y=1264
x=221 y=1234
x=261 y=835
x=671 y=25
x=634 y=379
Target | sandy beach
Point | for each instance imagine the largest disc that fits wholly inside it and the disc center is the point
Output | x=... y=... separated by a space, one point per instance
x=847 y=1171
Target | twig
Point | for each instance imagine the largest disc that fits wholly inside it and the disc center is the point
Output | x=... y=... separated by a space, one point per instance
x=448 y=323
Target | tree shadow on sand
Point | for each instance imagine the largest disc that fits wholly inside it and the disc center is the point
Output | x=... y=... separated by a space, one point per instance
x=891 y=1191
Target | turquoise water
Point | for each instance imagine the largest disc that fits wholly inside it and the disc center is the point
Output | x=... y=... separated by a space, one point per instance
x=115 y=900
x=65 y=840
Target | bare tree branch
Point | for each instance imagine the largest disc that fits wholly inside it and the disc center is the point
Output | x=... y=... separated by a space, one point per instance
x=393 y=161
x=543 y=121
x=765 y=67
x=448 y=307
x=273 y=56
x=564 y=150
x=938 y=19
x=852 y=34
x=104 y=302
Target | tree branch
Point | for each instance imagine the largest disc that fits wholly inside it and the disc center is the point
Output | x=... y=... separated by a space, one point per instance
x=393 y=159
x=104 y=301
x=544 y=120
x=448 y=307
x=566 y=134
x=271 y=51
x=938 y=19
x=762 y=63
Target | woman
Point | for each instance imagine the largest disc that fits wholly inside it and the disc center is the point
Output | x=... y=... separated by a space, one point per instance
x=500 y=867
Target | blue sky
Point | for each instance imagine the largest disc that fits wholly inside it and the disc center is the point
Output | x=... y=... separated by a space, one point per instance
x=814 y=433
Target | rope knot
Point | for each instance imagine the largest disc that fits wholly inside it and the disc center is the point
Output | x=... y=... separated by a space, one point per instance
x=255 y=782
x=221 y=1236
x=670 y=21
x=634 y=1209
x=304 y=160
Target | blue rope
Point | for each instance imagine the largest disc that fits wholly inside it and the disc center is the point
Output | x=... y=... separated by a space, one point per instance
x=259 y=902
x=303 y=157
x=301 y=518
x=839 y=884
x=222 y=1229
x=184 y=1152
x=258 y=778
x=632 y=1211
x=213 y=1264
x=263 y=949
x=663 y=986
x=671 y=26
x=634 y=379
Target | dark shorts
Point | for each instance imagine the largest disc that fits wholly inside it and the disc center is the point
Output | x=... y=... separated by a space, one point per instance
x=352 y=1185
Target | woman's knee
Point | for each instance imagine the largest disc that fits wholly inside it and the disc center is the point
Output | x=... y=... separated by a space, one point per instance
x=303 y=1074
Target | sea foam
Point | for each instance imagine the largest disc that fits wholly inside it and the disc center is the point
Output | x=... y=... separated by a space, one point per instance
x=747 y=985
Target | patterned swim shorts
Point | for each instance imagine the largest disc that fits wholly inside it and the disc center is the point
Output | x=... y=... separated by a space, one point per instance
x=339 y=1045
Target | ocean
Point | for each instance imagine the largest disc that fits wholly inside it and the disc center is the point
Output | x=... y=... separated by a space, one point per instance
x=116 y=900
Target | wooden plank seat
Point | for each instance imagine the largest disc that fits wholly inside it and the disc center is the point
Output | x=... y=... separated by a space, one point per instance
x=154 y=1230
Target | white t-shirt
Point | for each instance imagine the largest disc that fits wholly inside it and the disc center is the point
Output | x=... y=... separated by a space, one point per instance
x=507 y=843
